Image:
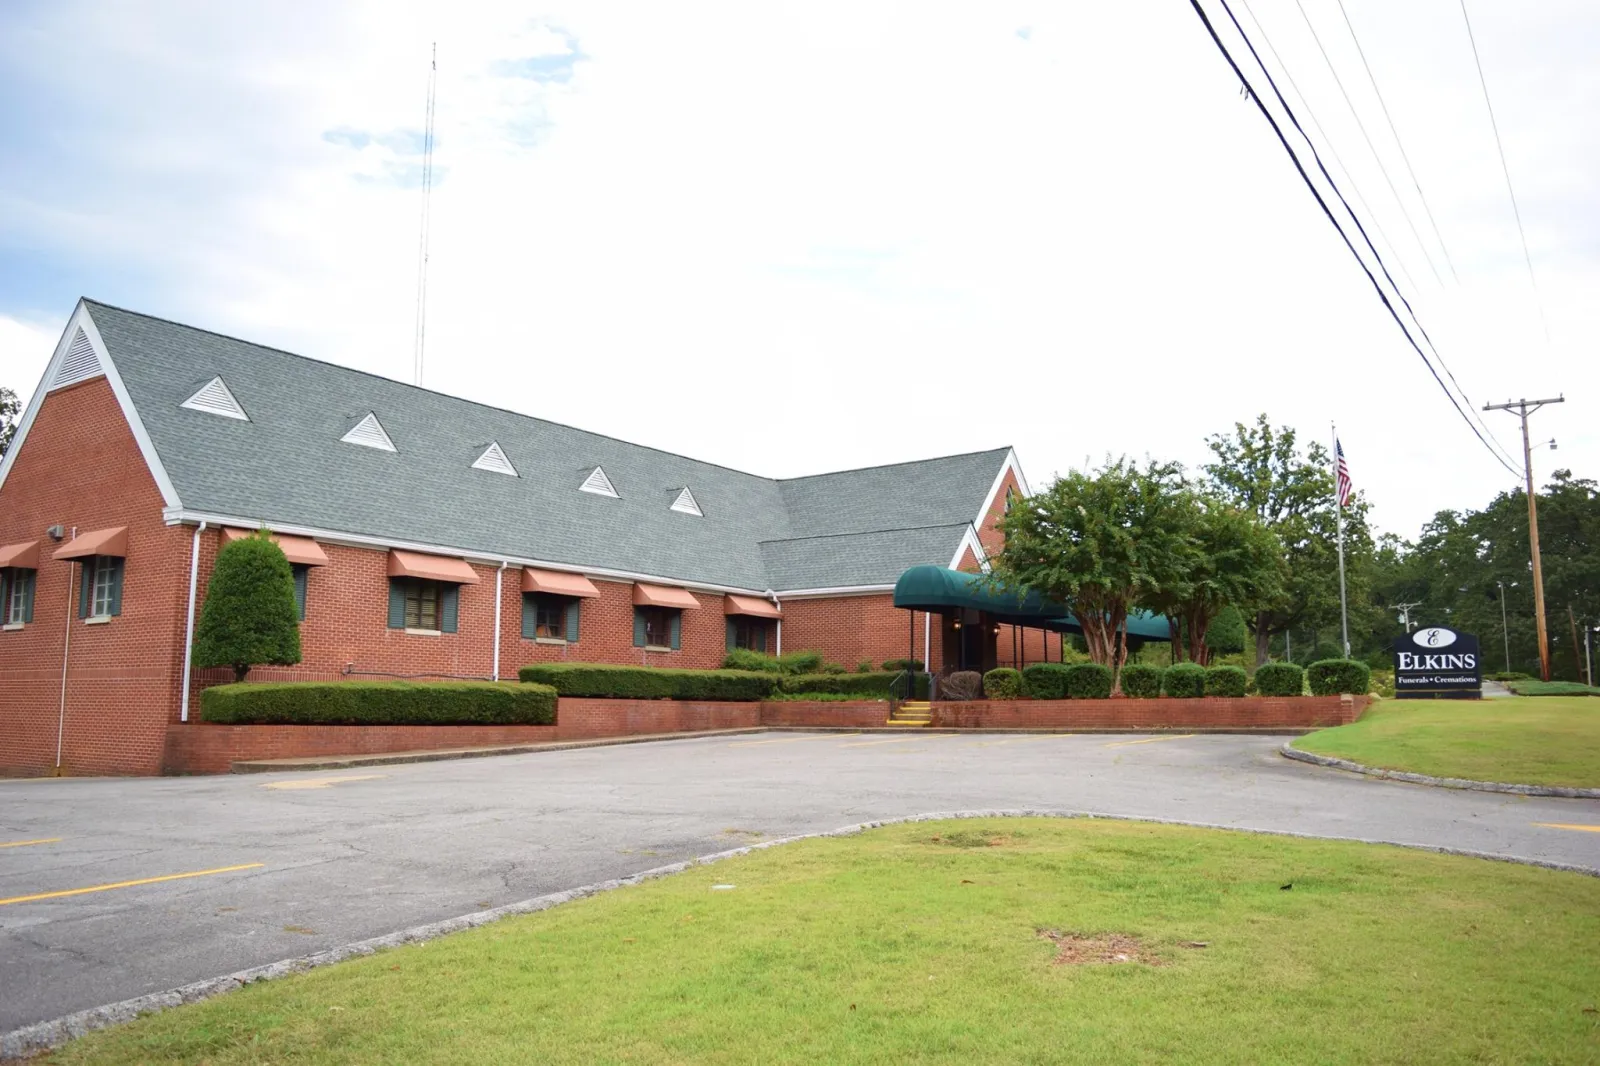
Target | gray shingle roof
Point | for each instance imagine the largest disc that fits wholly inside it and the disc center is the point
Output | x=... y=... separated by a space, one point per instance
x=287 y=466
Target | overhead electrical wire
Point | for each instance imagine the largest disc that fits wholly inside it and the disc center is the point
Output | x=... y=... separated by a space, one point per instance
x=1398 y=143
x=1327 y=211
x=1506 y=170
x=1503 y=455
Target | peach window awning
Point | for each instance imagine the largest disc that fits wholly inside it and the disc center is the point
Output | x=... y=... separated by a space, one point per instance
x=99 y=542
x=431 y=568
x=661 y=596
x=754 y=606
x=300 y=550
x=555 y=583
x=25 y=556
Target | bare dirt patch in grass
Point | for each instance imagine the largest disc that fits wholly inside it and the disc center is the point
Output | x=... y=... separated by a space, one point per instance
x=1075 y=949
x=969 y=838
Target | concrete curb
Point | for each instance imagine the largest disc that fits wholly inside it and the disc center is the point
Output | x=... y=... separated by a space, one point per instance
x=41 y=1036
x=1331 y=763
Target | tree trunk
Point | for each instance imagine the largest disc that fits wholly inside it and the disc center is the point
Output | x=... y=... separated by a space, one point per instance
x=239 y=670
x=1263 y=636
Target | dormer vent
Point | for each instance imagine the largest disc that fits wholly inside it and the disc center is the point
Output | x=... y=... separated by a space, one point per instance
x=215 y=398
x=79 y=364
x=599 y=484
x=686 y=503
x=494 y=460
x=369 y=433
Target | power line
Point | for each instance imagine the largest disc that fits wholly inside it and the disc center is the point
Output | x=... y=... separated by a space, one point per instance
x=1397 y=142
x=1503 y=455
x=421 y=335
x=1327 y=211
x=1499 y=147
x=1362 y=126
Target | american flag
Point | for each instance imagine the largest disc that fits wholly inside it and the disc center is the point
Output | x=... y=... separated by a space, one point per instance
x=1342 y=474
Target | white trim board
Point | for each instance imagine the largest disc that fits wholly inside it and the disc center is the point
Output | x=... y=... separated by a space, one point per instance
x=1012 y=464
x=969 y=539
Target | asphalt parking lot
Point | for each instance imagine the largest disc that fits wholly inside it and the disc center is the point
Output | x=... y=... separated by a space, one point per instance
x=113 y=888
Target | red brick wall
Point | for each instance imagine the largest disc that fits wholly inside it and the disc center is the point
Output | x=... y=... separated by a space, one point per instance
x=1251 y=712
x=848 y=629
x=835 y=714
x=989 y=534
x=80 y=467
x=1032 y=646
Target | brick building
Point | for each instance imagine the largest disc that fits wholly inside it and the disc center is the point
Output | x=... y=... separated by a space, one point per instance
x=430 y=536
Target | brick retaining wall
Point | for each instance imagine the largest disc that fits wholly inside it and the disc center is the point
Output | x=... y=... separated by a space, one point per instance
x=1250 y=712
x=827 y=714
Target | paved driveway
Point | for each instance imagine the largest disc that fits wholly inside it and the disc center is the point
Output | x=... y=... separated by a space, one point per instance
x=311 y=860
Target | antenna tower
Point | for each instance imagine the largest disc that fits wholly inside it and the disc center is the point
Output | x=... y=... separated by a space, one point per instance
x=419 y=341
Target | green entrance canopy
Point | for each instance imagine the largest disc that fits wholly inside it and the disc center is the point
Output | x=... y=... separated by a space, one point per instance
x=933 y=588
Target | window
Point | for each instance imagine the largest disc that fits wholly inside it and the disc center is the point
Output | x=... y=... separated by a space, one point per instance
x=747 y=633
x=100 y=591
x=302 y=577
x=657 y=627
x=16 y=596
x=1011 y=498
x=420 y=604
x=549 y=617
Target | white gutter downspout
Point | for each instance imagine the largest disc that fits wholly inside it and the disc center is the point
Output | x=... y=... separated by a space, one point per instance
x=66 y=647
x=498 y=574
x=188 y=629
x=927 y=640
x=773 y=596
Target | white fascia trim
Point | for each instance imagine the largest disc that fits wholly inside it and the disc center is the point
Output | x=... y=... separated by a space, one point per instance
x=81 y=319
x=969 y=539
x=841 y=590
x=1014 y=466
x=174 y=516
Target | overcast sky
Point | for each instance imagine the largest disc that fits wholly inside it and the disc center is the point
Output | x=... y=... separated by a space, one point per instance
x=799 y=237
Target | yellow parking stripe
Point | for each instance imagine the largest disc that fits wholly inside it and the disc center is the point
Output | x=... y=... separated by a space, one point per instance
x=1567 y=825
x=321 y=782
x=1024 y=740
x=25 y=843
x=129 y=884
x=1149 y=740
x=899 y=740
x=791 y=740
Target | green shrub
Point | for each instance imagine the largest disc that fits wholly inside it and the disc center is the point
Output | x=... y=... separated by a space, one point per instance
x=745 y=659
x=1046 y=681
x=800 y=662
x=379 y=703
x=870 y=686
x=1280 y=679
x=1532 y=687
x=1003 y=683
x=1141 y=682
x=894 y=665
x=649 y=683
x=1226 y=681
x=1329 y=677
x=250 y=616
x=1088 y=681
x=864 y=666
x=1510 y=675
x=827 y=697
x=1226 y=633
x=833 y=668
x=1184 y=681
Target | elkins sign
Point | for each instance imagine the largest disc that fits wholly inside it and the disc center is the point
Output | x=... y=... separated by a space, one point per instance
x=1437 y=662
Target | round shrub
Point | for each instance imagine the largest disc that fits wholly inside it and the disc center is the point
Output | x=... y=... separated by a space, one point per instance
x=1141 y=682
x=1184 y=680
x=1003 y=683
x=745 y=659
x=1330 y=677
x=1280 y=679
x=1046 y=681
x=961 y=685
x=1088 y=681
x=1226 y=681
x=250 y=616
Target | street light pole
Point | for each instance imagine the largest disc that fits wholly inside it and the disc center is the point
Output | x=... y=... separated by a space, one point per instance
x=1523 y=409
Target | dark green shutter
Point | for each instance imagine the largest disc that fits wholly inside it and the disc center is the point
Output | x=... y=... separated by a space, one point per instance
x=116 y=584
x=32 y=582
x=85 y=580
x=638 y=628
x=449 y=596
x=397 y=603
x=677 y=627
x=8 y=579
x=572 y=621
x=530 y=616
x=761 y=637
x=733 y=634
x=302 y=576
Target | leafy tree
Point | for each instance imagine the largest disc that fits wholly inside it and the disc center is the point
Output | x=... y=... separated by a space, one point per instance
x=1261 y=469
x=10 y=408
x=1227 y=633
x=1101 y=544
x=1233 y=560
x=250 y=616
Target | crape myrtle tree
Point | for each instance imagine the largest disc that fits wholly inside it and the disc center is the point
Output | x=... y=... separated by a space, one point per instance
x=1100 y=543
x=250 y=616
x=1261 y=470
x=10 y=407
x=1231 y=560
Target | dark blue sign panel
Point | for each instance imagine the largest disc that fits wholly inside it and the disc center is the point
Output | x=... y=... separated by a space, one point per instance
x=1437 y=662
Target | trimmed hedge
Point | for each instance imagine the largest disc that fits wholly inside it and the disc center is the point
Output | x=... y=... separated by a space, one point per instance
x=1141 y=682
x=800 y=662
x=873 y=686
x=1046 y=681
x=745 y=659
x=650 y=683
x=1088 y=681
x=1280 y=679
x=1184 y=681
x=1229 y=681
x=1330 y=677
x=896 y=665
x=379 y=703
x=1003 y=683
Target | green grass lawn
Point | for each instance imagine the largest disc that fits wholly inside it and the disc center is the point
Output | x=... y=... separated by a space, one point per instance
x=1531 y=687
x=1549 y=740
x=923 y=943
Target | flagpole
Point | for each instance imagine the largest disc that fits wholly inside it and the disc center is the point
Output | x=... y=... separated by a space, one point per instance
x=1338 y=510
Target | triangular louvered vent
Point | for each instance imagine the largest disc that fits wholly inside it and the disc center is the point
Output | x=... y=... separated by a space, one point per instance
x=494 y=459
x=599 y=484
x=79 y=364
x=686 y=503
x=214 y=398
x=369 y=433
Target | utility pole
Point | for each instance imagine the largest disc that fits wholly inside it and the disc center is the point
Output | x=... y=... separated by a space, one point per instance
x=1523 y=409
x=1505 y=633
x=1404 y=611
